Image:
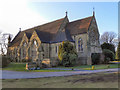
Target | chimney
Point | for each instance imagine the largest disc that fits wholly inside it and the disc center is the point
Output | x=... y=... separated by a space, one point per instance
x=19 y=29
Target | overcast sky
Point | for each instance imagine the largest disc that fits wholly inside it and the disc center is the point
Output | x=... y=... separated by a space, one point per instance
x=24 y=14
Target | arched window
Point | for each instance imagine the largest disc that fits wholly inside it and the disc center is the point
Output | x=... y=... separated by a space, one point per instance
x=24 y=44
x=23 y=50
x=80 y=44
x=34 y=49
x=35 y=42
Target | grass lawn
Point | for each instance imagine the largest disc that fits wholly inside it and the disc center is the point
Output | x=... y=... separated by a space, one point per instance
x=99 y=80
x=22 y=66
x=96 y=67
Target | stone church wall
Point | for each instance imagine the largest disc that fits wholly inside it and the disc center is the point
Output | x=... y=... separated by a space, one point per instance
x=93 y=35
x=45 y=50
x=54 y=53
x=82 y=55
x=90 y=44
x=93 y=40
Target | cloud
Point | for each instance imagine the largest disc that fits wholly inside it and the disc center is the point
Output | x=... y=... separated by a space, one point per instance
x=15 y=14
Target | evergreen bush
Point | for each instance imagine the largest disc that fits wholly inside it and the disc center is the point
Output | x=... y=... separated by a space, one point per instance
x=67 y=54
x=109 y=55
x=118 y=52
x=109 y=46
x=95 y=58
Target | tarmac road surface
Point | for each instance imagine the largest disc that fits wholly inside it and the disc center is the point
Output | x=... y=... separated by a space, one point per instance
x=4 y=74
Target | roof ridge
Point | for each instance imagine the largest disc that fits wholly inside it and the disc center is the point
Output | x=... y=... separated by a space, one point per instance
x=48 y=31
x=50 y=22
x=81 y=19
x=79 y=26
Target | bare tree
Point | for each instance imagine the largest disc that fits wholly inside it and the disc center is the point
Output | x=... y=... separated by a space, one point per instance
x=112 y=35
x=4 y=42
x=104 y=37
x=108 y=37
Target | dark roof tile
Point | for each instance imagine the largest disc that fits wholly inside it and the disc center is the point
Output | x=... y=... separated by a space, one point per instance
x=49 y=32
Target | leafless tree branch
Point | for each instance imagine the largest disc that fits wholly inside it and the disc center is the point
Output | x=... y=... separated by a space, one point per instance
x=4 y=42
x=108 y=37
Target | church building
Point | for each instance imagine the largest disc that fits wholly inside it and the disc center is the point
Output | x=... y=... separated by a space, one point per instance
x=42 y=42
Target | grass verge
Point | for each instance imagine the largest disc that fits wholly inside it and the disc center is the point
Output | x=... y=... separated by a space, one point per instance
x=99 y=80
x=96 y=67
x=21 y=67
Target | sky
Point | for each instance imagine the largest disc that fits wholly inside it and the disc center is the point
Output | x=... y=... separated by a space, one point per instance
x=24 y=14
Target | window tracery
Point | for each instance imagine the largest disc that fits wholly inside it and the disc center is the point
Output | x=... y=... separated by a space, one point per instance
x=34 y=49
x=80 y=44
x=23 y=49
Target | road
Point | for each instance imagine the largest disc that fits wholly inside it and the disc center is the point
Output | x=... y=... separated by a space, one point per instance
x=24 y=75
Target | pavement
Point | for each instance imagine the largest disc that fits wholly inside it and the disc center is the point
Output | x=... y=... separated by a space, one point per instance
x=24 y=75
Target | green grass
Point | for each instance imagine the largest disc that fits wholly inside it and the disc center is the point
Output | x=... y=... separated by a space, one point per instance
x=16 y=67
x=22 y=66
x=100 y=80
x=97 y=67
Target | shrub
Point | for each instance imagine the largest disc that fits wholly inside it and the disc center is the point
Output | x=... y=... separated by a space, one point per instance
x=95 y=58
x=60 y=53
x=5 y=61
x=67 y=54
x=109 y=55
x=118 y=52
x=72 y=58
x=109 y=46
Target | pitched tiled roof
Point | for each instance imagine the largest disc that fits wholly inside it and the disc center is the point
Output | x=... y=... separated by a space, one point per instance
x=49 y=32
x=79 y=26
x=51 y=27
x=16 y=40
x=44 y=36
x=63 y=35
x=28 y=35
x=46 y=32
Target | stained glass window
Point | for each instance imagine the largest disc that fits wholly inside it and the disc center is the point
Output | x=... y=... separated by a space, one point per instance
x=80 y=45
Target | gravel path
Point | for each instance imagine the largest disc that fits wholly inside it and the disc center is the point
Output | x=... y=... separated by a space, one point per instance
x=21 y=75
